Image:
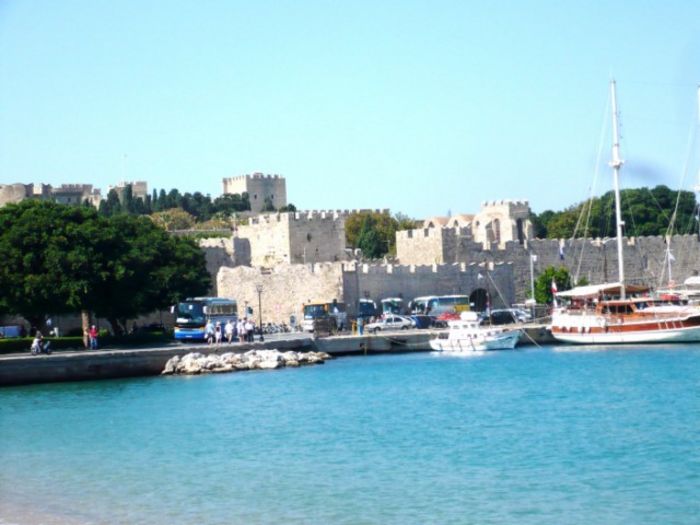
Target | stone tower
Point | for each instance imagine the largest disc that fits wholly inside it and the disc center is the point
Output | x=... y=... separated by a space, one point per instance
x=258 y=187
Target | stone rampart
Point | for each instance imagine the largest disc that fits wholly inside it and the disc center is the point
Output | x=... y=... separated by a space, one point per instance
x=291 y=238
x=593 y=259
x=287 y=287
x=219 y=254
x=13 y=193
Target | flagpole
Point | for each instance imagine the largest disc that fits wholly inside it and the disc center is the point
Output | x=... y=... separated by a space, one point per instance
x=532 y=275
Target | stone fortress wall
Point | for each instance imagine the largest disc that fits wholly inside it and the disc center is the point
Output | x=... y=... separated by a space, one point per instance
x=286 y=288
x=71 y=194
x=259 y=187
x=293 y=238
x=445 y=258
x=593 y=259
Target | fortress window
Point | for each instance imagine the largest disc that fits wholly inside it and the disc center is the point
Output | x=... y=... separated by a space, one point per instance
x=308 y=237
x=521 y=233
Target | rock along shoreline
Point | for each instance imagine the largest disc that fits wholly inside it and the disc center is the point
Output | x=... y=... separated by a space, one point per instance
x=196 y=363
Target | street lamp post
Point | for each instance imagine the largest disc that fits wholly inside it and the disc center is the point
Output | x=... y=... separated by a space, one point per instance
x=259 y=289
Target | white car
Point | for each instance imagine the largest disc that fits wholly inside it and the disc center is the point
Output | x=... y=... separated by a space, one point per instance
x=390 y=322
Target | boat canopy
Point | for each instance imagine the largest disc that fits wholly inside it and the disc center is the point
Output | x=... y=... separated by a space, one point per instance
x=692 y=281
x=594 y=290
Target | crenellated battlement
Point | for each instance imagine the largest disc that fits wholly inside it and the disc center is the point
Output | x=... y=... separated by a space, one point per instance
x=506 y=202
x=254 y=176
x=422 y=269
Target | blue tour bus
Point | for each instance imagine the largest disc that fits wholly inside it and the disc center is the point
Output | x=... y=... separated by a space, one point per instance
x=192 y=314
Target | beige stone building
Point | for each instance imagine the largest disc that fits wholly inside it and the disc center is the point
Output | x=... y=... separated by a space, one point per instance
x=63 y=194
x=139 y=189
x=259 y=187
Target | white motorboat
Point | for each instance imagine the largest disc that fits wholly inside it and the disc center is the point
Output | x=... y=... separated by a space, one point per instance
x=466 y=335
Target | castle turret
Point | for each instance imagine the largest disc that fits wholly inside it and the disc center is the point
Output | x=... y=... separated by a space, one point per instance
x=259 y=188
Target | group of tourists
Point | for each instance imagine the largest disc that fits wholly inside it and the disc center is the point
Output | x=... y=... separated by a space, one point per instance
x=242 y=331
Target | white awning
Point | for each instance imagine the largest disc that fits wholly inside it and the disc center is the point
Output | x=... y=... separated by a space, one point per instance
x=692 y=281
x=594 y=290
x=591 y=290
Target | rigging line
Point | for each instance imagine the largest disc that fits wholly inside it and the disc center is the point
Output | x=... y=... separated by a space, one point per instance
x=596 y=174
x=503 y=300
x=684 y=173
x=674 y=215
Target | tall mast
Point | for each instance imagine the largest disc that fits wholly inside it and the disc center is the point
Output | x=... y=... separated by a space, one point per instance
x=616 y=164
x=697 y=186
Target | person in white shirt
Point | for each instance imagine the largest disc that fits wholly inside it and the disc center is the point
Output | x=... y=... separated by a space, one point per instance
x=228 y=331
x=218 y=333
x=241 y=330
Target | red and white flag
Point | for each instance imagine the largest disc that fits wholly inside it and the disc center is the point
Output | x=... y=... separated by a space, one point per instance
x=554 y=287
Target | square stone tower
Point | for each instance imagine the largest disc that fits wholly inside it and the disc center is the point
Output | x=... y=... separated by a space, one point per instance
x=502 y=221
x=259 y=187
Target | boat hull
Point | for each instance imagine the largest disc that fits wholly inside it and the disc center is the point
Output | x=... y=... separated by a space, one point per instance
x=503 y=341
x=664 y=335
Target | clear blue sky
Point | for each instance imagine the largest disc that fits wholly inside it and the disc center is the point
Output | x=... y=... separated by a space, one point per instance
x=422 y=107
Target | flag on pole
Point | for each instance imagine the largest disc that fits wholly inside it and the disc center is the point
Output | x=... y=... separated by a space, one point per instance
x=554 y=292
x=671 y=257
x=533 y=257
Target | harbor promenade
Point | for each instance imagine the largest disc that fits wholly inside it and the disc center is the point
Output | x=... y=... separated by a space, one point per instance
x=112 y=363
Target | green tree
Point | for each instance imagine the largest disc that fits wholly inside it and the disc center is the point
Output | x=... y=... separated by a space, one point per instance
x=173 y=219
x=645 y=211
x=543 y=283
x=53 y=256
x=368 y=239
x=61 y=259
x=384 y=226
x=111 y=205
x=150 y=270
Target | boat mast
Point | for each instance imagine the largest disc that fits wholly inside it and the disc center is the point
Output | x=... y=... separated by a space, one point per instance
x=616 y=164
x=697 y=186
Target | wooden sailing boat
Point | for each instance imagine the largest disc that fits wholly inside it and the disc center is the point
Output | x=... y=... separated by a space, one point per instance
x=615 y=313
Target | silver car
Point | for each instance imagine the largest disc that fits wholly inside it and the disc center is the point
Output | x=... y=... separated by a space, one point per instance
x=390 y=322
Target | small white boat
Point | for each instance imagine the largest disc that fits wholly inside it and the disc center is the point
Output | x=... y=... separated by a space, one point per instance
x=467 y=336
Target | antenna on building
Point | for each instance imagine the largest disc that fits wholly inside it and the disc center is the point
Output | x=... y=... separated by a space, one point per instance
x=124 y=156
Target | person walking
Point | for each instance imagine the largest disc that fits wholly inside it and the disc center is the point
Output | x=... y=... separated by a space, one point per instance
x=209 y=332
x=228 y=331
x=218 y=333
x=92 y=335
x=240 y=330
x=249 y=330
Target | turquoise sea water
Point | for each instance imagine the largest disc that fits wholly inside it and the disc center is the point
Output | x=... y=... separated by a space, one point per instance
x=529 y=437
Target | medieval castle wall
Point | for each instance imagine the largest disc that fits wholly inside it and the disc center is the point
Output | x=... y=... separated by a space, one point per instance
x=293 y=238
x=592 y=259
x=63 y=194
x=259 y=187
x=287 y=287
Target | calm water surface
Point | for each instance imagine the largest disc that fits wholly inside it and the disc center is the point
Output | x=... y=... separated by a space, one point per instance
x=529 y=437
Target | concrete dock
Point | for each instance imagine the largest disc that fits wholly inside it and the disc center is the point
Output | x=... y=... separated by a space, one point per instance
x=80 y=365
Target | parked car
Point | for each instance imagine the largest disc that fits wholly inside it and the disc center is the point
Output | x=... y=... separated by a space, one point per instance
x=507 y=316
x=422 y=321
x=390 y=322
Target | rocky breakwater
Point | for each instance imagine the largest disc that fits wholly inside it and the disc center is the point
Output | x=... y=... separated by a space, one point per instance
x=196 y=363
